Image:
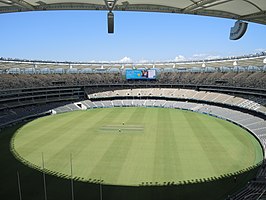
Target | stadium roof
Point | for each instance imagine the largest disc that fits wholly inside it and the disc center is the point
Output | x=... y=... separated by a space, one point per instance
x=257 y=60
x=246 y=10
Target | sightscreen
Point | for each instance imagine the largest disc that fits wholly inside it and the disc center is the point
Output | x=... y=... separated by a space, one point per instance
x=148 y=74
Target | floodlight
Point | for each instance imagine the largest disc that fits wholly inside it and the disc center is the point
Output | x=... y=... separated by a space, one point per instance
x=110 y=18
x=238 y=30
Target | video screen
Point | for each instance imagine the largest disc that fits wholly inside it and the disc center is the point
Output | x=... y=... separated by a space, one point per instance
x=141 y=74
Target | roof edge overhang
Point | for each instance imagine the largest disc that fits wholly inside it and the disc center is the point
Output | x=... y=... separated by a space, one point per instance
x=258 y=17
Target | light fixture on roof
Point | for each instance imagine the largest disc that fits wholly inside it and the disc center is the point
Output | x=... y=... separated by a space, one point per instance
x=238 y=30
x=110 y=4
x=110 y=19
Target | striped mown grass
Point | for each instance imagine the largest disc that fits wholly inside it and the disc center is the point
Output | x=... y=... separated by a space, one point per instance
x=169 y=146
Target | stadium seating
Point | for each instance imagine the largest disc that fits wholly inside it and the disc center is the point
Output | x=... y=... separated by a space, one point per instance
x=185 y=95
x=16 y=115
x=11 y=81
x=236 y=79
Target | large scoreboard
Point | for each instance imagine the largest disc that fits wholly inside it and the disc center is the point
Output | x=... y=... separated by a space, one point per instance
x=137 y=74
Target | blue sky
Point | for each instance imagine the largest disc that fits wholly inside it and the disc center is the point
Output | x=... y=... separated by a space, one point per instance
x=82 y=36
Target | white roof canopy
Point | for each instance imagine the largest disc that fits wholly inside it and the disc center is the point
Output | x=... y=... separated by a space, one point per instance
x=246 y=10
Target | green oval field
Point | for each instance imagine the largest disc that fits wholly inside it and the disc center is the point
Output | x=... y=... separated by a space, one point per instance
x=129 y=146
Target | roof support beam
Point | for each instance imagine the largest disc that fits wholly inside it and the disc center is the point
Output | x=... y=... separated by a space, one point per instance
x=5 y=2
x=23 y=4
x=253 y=4
x=198 y=4
x=257 y=15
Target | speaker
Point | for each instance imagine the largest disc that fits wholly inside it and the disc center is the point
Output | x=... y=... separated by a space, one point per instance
x=238 y=30
x=110 y=18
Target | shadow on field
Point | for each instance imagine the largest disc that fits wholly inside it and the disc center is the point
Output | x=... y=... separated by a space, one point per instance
x=60 y=189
